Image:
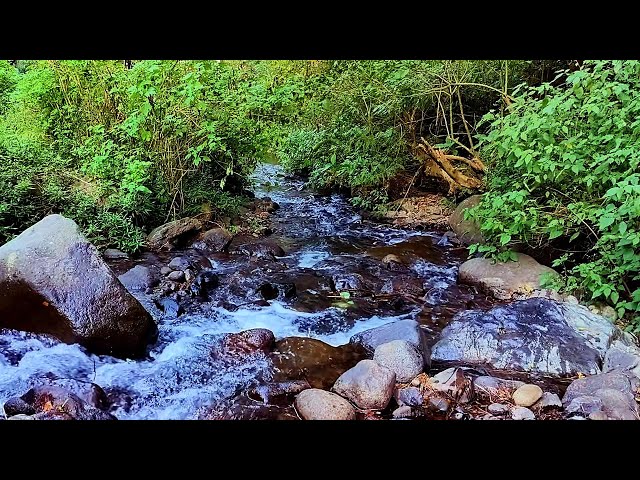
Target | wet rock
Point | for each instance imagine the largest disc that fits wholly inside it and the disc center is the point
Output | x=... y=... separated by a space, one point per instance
x=400 y=356
x=368 y=385
x=170 y=307
x=467 y=231
x=621 y=356
x=179 y=263
x=311 y=359
x=176 y=276
x=548 y=400
x=315 y=404
x=504 y=280
x=408 y=330
x=402 y=412
x=522 y=413
x=403 y=285
x=139 y=279
x=536 y=335
x=492 y=386
x=204 y=282
x=498 y=409
x=527 y=395
x=54 y=281
x=52 y=402
x=114 y=254
x=393 y=263
x=88 y=392
x=262 y=249
x=215 y=240
x=21 y=417
x=584 y=405
x=348 y=281
x=265 y=205
x=409 y=396
x=172 y=234
x=455 y=383
x=271 y=291
x=164 y=271
x=189 y=275
x=438 y=404
x=249 y=341
x=614 y=390
x=270 y=391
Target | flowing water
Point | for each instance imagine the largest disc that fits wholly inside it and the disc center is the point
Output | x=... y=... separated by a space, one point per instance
x=327 y=243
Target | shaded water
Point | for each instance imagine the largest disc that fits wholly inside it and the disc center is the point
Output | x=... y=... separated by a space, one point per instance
x=326 y=241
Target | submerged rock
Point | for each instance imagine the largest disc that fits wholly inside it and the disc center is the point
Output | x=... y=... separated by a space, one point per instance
x=249 y=341
x=262 y=249
x=408 y=330
x=204 y=282
x=170 y=307
x=368 y=385
x=402 y=357
x=54 y=281
x=172 y=234
x=504 y=280
x=467 y=231
x=139 y=279
x=535 y=335
x=315 y=404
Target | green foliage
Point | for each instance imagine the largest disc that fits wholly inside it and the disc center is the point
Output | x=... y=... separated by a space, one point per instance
x=565 y=166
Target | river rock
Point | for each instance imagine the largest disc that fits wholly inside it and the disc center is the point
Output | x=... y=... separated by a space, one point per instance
x=584 y=405
x=179 y=263
x=139 y=279
x=504 y=280
x=391 y=259
x=615 y=391
x=527 y=395
x=438 y=404
x=264 y=204
x=316 y=404
x=46 y=402
x=21 y=417
x=215 y=240
x=348 y=281
x=548 y=400
x=467 y=231
x=204 y=282
x=54 y=281
x=498 y=409
x=164 y=271
x=170 y=307
x=270 y=391
x=368 y=385
x=599 y=415
x=408 y=330
x=522 y=413
x=621 y=356
x=262 y=249
x=114 y=254
x=455 y=383
x=402 y=412
x=308 y=358
x=402 y=357
x=176 y=276
x=248 y=341
x=172 y=234
x=491 y=386
x=535 y=335
x=409 y=396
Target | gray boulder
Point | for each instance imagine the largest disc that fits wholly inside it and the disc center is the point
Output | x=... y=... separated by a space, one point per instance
x=138 y=279
x=402 y=357
x=54 y=281
x=368 y=385
x=534 y=335
x=621 y=356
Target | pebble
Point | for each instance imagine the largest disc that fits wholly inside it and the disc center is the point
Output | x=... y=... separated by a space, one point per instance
x=177 y=276
x=439 y=404
x=527 y=395
x=21 y=417
x=165 y=271
x=522 y=413
x=548 y=400
x=498 y=409
x=409 y=396
x=598 y=416
x=401 y=412
x=189 y=275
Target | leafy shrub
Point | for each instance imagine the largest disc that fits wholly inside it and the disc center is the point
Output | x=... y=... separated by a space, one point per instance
x=565 y=166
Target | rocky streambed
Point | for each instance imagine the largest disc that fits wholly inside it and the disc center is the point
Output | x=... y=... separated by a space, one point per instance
x=322 y=315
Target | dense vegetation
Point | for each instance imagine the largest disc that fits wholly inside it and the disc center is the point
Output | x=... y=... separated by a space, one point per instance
x=124 y=146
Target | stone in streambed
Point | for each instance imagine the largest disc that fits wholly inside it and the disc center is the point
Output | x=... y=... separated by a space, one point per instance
x=498 y=409
x=249 y=341
x=527 y=395
x=170 y=307
x=54 y=281
x=402 y=412
x=316 y=404
x=504 y=280
x=493 y=385
x=621 y=356
x=522 y=413
x=164 y=271
x=409 y=396
x=139 y=279
x=438 y=404
x=548 y=400
x=179 y=263
x=368 y=385
x=401 y=357
x=172 y=234
x=21 y=417
x=114 y=254
x=215 y=240
x=176 y=276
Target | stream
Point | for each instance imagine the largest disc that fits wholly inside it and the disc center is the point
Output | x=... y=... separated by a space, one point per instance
x=328 y=246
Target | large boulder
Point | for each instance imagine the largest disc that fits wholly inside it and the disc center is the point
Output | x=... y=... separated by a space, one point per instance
x=612 y=393
x=536 y=335
x=170 y=235
x=504 y=280
x=468 y=231
x=54 y=281
x=408 y=330
x=315 y=404
x=368 y=385
x=214 y=240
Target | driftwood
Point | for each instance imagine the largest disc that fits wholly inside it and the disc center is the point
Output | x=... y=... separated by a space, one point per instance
x=441 y=165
